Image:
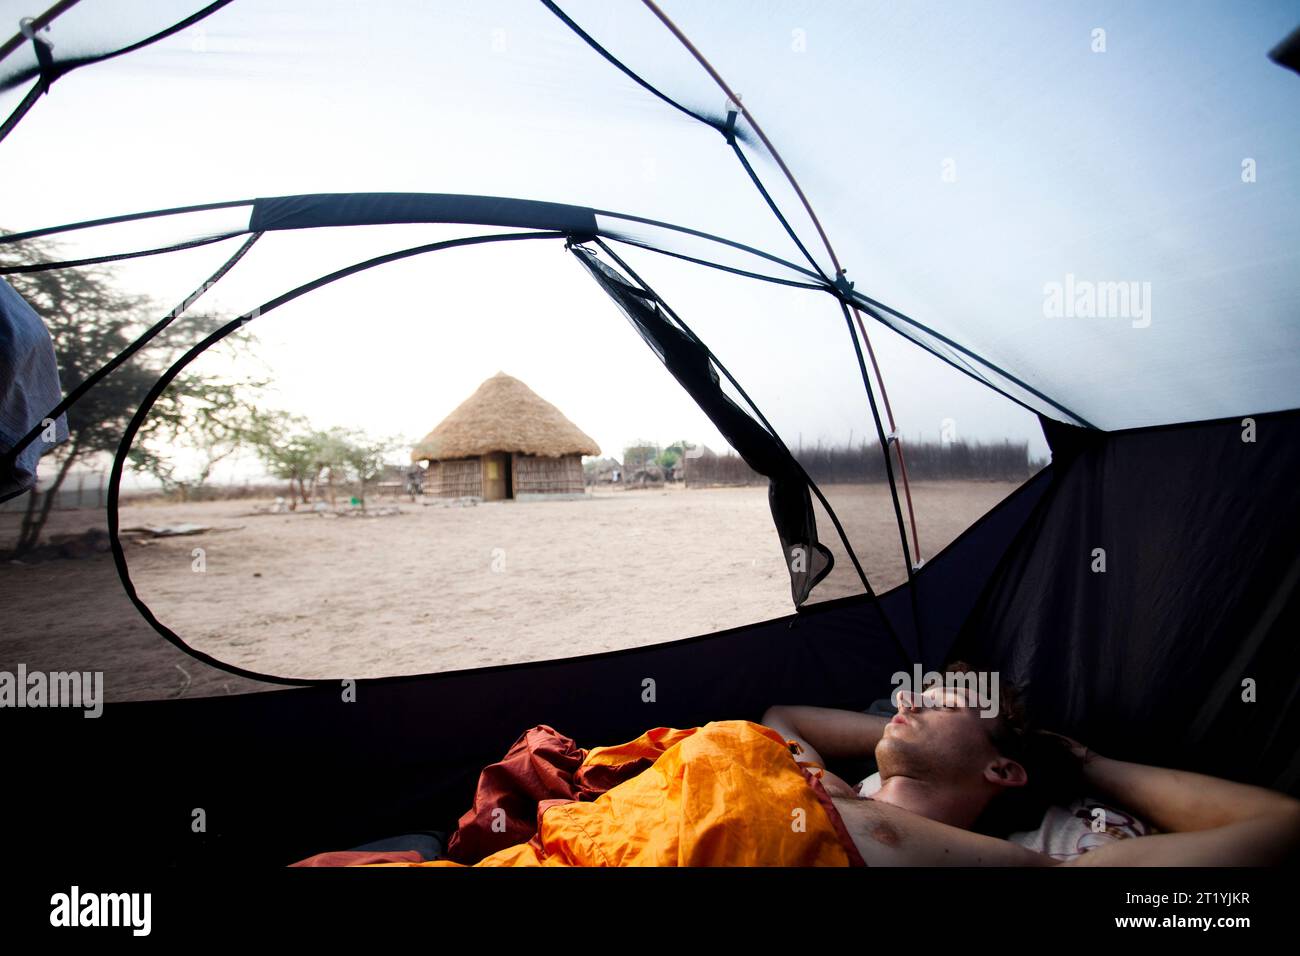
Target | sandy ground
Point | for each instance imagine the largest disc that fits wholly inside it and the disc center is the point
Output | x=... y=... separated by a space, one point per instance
x=433 y=588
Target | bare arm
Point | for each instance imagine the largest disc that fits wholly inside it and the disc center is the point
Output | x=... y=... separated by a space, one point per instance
x=1238 y=825
x=1210 y=822
x=825 y=732
x=886 y=835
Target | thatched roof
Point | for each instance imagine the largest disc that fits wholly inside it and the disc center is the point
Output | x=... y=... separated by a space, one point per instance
x=504 y=414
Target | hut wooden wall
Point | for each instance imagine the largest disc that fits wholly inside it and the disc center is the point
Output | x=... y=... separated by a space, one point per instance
x=455 y=479
x=535 y=475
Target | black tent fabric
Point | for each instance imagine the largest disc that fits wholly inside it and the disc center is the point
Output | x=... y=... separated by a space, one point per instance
x=359 y=209
x=1151 y=604
x=692 y=366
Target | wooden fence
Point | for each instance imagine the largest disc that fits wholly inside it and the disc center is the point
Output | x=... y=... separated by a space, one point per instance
x=926 y=461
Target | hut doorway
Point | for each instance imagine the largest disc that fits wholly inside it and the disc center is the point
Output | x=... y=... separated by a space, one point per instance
x=496 y=477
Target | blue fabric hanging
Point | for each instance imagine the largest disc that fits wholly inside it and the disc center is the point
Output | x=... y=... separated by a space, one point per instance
x=29 y=388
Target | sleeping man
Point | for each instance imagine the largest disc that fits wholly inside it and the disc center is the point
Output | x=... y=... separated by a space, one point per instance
x=948 y=772
x=957 y=774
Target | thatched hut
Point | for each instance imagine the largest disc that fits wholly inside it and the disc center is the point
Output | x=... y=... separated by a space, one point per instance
x=603 y=471
x=504 y=441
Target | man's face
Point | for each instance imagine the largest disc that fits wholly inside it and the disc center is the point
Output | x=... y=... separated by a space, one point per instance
x=937 y=735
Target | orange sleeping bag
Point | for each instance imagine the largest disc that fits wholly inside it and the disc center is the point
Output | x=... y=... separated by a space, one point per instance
x=725 y=794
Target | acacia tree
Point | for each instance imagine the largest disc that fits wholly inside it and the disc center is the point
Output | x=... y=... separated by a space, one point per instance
x=206 y=425
x=347 y=455
x=90 y=321
x=289 y=450
x=365 y=458
x=332 y=458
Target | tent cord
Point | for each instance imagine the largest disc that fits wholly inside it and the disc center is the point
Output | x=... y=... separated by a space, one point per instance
x=896 y=439
x=776 y=211
x=118 y=256
x=839 y=270
x=893 y=487
x=758 y=130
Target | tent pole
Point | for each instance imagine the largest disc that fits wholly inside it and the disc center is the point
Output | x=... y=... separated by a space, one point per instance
x=35 y=24
x=830 y=250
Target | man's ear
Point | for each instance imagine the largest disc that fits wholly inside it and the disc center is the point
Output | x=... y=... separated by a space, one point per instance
x=1005 y=772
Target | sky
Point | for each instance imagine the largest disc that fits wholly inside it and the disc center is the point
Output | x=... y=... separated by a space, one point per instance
x=498 y=98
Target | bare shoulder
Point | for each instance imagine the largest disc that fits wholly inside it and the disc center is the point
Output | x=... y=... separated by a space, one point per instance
x=886 y=835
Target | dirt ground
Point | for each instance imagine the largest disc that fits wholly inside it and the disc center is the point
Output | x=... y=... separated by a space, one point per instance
x=419 y=587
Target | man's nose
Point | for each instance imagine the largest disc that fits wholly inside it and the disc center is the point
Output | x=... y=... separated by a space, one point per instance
x=906 y=700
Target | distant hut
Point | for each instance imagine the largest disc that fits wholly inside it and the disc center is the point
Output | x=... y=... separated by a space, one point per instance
x=504 y=441
x=604 y=471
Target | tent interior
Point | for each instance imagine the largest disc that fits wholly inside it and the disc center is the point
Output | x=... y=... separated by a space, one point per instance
x=425 y=191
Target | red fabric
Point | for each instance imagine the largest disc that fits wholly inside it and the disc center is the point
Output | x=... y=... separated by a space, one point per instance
x=541 y=769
